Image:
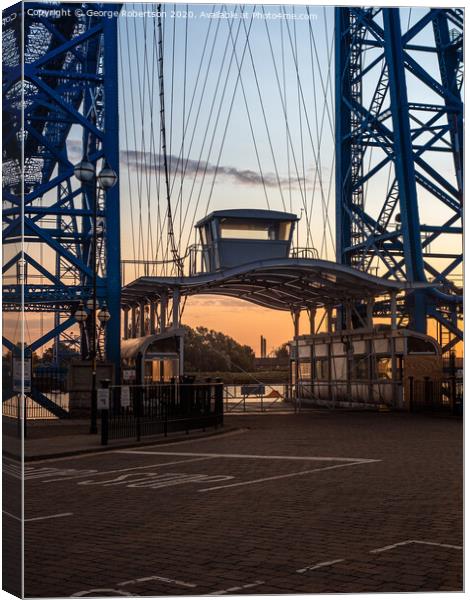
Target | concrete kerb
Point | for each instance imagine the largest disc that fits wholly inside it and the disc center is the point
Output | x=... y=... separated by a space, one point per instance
x=118 y=445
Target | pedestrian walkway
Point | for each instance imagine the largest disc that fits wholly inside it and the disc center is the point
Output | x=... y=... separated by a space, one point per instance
x=59 y=439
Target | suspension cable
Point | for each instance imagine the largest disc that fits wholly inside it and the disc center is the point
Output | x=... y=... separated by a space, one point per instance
x=171 y=234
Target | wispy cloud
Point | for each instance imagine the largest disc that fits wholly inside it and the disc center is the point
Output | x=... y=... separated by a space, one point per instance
x=137 y=161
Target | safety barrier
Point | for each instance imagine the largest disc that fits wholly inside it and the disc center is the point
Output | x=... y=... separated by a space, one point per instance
x=142 y=410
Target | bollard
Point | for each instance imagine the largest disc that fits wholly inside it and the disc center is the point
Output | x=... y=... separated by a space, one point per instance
x=219 y=402
x=138 y=413
x=104 y=409
x=165 y=417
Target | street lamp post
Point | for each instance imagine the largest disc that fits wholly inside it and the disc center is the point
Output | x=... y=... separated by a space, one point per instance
x=106 y=179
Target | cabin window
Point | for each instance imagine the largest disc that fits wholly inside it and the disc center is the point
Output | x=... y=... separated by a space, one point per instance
x=419 y=345
x=384 y=367
x=360 y=368
x=256 y=230
x=321 y=368
x=285 y=231
x=202 y=233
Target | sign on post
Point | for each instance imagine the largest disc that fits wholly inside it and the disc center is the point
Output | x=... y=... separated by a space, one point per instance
x=125 y=396
x=22 y=370
x=102 y=399
x=128 y=374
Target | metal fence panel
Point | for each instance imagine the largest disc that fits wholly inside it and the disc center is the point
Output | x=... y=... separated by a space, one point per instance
x=442 y=395
x=139 y=411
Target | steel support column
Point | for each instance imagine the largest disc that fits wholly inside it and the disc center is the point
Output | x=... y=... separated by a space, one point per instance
x=399 y=129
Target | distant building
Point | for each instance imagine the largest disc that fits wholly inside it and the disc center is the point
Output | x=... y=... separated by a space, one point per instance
x=263 y=347
x=271 y=363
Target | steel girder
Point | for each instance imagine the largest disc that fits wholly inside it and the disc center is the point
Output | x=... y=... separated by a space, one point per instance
x=399 y=163
x=59 y=96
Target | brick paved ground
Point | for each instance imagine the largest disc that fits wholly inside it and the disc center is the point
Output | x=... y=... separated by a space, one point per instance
x=195 y=522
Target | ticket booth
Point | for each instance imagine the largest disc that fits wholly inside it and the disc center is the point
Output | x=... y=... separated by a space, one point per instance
x=153 y=358
x=362 y=367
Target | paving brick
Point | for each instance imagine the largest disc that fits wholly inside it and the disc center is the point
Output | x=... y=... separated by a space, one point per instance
x=264 y=531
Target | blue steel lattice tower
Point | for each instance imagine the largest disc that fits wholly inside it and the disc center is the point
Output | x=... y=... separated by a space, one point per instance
x=60 y=101
x=399 y=161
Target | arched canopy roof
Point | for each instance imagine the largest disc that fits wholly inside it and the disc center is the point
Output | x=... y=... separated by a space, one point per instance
x=133 y=346
x=282 y=284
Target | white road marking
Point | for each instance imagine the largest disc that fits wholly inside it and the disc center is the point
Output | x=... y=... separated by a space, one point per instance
x=156 y=480
x=56 y=516
x=33 y=472
x=377 y=551
x=236 y=588
x=158 y=578
x=52 y=472
x=99 y=592
x=95 y=472
x=255 y=456
x=10 y=515
x=286 y=476
x=406 y=542
x=320 y=565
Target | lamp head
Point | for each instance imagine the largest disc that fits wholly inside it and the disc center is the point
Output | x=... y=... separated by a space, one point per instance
x=81 y=314
x=107 y=178
x=84 y=171
x=104 y=315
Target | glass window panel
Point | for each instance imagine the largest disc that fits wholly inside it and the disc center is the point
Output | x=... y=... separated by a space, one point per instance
x=360 y=368
x=321 y=368
x=384 y=367
x=255 y=230
x=305 y=369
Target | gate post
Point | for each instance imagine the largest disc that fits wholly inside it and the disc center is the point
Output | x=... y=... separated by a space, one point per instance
x=428 y=392
x=219 y=402
x=140 y=393
x=453 y=394
x=164 y=401
x=104 y=427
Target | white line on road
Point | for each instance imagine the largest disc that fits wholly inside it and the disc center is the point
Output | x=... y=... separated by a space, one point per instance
x=99 y=592
x=256 y=456
x=287 y=475
x=236 y=588
x=10 y=515
x=56 y=516
x=158 y=578
x=320 y=565
x=406 y=542
x=173 y=462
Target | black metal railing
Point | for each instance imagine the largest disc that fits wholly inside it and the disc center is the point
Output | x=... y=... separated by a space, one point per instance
x=441 y=395
x=48 y=389
x=139 y=411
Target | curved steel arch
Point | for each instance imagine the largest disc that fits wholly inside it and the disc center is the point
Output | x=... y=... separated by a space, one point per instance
x=291 y=284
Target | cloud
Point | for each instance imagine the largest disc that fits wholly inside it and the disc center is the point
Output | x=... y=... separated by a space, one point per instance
x=220 y=302
x=136 y=160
